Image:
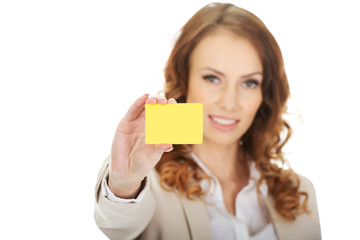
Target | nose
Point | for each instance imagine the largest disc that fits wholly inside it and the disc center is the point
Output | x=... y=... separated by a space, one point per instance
x=228 y=98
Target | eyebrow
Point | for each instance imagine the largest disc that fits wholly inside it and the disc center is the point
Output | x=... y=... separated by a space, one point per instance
x=222 y=74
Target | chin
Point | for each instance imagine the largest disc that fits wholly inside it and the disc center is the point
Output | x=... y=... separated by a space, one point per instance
x=222 y=140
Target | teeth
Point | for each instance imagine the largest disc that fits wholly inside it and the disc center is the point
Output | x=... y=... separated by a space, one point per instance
x=223 y=121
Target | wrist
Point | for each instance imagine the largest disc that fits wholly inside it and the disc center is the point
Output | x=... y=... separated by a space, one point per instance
x=123 y=188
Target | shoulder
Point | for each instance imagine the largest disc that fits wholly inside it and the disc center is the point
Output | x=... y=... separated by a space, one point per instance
x=307 y=186
x=305 y=226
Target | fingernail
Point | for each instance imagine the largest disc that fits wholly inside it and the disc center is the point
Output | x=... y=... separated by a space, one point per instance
x=169 y=150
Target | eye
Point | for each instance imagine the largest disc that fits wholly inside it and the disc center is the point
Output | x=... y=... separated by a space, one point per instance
x=211 y=78
x=251 y=83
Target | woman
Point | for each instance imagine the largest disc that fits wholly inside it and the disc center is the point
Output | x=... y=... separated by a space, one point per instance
x=234 y=185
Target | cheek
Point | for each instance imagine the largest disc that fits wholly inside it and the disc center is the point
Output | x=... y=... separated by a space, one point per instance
x=256 y=105
x=196 y=94
x=253 y=104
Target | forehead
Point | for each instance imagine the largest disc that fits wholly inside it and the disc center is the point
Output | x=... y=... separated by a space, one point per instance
x=226 y=51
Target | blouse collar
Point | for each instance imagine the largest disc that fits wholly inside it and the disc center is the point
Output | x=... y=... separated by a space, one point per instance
x=254 y=174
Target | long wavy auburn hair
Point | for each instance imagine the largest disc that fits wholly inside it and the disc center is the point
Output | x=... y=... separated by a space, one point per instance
x=262 y=142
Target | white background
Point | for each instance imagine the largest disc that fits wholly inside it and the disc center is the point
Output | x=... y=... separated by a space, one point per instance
x=70 y=69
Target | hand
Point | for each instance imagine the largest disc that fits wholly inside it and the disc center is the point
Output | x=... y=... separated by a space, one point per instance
x=131 y=158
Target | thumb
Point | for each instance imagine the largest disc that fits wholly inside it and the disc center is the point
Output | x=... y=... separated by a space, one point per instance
x=155 y=156
x=164 y=147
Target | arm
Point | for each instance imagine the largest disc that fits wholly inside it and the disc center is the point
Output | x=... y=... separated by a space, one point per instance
x=130 y=162
x=121 y=219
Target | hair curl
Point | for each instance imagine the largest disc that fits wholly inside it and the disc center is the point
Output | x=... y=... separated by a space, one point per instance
x=262 y=141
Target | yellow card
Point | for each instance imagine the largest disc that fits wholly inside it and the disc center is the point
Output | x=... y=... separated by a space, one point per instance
x=174 y=123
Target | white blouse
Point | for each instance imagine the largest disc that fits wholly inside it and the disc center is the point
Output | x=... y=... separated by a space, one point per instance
x=249 y=222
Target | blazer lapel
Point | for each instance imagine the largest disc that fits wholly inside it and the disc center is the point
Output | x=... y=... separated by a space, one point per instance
x=284 y=229
x=197 y=218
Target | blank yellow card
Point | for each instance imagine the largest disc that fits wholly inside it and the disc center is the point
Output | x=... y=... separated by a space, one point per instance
x=176 y=123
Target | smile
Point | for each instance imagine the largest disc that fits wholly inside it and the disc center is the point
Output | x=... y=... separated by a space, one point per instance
x=223 y=123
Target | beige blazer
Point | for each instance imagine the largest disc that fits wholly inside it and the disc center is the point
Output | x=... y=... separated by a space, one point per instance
x=164 y=215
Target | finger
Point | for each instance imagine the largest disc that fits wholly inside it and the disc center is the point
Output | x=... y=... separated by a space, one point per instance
x=135 y=108
x=161 y=100
x=151 y=100
x=172 y=100
x=164 y=147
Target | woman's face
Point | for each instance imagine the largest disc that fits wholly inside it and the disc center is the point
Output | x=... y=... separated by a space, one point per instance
x=225 y=75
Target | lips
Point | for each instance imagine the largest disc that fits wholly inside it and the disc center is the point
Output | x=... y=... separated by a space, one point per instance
x=223 y=122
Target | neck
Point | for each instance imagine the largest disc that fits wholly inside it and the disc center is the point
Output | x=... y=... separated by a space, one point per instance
x=221 y=160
